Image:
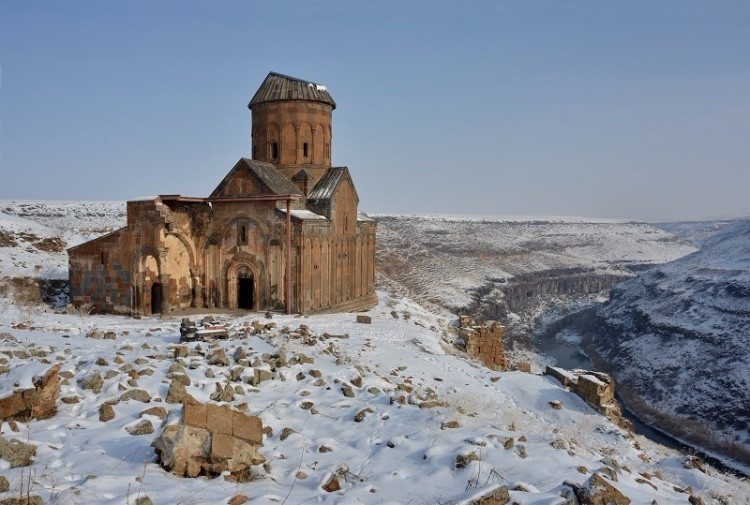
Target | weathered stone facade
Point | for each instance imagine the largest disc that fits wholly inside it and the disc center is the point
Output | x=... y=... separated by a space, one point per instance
x=281 y=230
x=484 y=342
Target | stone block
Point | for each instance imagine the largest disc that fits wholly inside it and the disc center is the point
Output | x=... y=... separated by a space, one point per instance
x=219 y=419
x=222 y=446
x=248 y=428
x=194 y=414
x=181 y=351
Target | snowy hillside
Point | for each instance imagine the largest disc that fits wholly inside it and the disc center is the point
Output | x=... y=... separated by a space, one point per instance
x=516 y=267
x=678 y=337
x=482 y=428
x=434 y=426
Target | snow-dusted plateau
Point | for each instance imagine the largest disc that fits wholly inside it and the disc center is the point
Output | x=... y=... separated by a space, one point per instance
x=393 y=409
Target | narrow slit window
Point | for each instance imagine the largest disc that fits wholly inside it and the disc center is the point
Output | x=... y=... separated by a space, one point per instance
x=274 y=150
x=304 y=150
x=242 y=234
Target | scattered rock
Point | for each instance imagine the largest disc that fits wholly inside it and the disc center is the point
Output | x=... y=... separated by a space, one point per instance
x=143 y=427
x=360 y=416
x=238 y=499
x=93 y=381
x=347 y=390
x=362 y=319
x=332 y=484
x=70 y=399
x=324 y=448
x=143 y=500
x=450 y=425
x=159 y=412
x=597 y=491
x=106 y=412
x=556 y=404
x=177 y=392
x=139 y=395
x=95 y=334
x=285 y=433
x=463 y=459
x=496 y=495
x=4 y=484
x=16 y=453
x=26 y=500
x=509 y=443
x=38 y=402
x=695 y=500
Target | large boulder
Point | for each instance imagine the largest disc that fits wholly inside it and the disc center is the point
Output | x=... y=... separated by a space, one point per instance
x=30 y=391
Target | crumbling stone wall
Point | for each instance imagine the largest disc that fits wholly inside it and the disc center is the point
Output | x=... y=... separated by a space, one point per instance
x=595 y=388
x=210 y=439
x=484 y=342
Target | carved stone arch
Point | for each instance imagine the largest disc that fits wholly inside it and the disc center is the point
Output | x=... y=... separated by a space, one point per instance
x=273 y=138
x=243 y=274
x=256 y=233
x=187 y=242
x=146 y=274
x=304 y=143
x=319 y=143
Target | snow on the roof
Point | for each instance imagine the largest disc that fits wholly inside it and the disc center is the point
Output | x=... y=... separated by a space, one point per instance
x=143 y=198
x=361 y=216
x=305 y=215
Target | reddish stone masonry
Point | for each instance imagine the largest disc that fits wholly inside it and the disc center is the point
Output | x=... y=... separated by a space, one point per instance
x=484 y=342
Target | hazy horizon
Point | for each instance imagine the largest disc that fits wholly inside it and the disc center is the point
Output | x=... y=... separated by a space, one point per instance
x=539 y=108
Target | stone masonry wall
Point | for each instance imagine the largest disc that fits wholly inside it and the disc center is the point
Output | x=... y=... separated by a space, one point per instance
x=485 y=343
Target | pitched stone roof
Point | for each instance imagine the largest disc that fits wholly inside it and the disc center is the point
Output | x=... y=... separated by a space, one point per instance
x=265 y=173
x=327 y=184
x=278 y=87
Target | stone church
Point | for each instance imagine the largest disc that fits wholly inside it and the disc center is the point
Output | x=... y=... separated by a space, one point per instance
x=281 y=230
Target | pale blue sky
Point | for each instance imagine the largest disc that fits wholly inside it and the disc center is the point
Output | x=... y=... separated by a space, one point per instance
x=637 y=109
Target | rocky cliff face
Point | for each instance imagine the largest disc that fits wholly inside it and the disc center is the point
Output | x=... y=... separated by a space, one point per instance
x=678 y=338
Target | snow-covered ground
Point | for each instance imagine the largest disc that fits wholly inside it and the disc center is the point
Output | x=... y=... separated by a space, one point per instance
x=399 y=453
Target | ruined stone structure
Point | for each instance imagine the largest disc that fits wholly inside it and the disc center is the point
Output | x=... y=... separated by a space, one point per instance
x=484 y=342
x=595 y=388
x=281 y=230
x=210 y=439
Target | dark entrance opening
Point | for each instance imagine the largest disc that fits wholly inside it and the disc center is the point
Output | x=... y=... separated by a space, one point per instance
x=245 y=290
x=156 y=298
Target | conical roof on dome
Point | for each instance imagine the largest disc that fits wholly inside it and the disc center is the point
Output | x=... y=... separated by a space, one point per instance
x=279 y=87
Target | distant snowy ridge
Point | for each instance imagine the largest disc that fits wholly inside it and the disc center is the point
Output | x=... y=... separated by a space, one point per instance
x=503 y=219
x=678 y=336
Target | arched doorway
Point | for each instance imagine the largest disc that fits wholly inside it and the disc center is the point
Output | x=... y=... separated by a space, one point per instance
x=156 y=305
x=245 y=289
